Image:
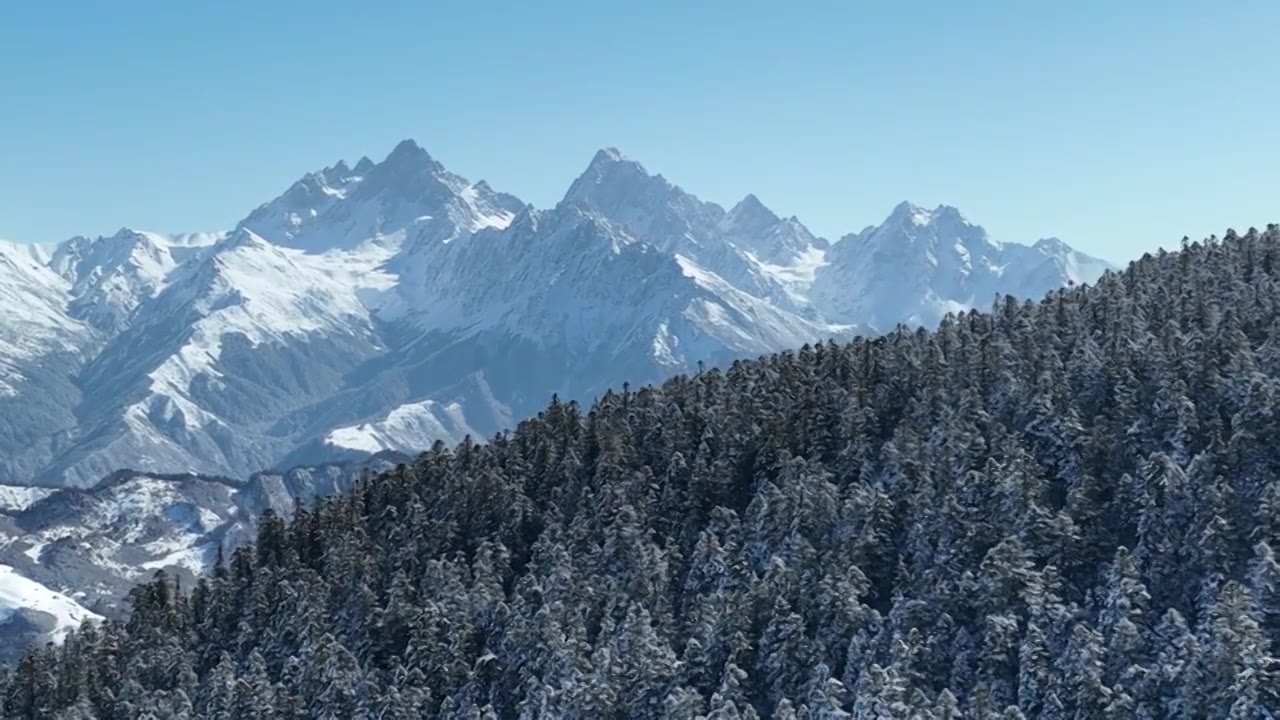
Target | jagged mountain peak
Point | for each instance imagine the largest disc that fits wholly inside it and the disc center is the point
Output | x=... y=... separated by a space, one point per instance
x=609 y=155
x=612 y=179
x=406 y=161
x=241 y=238
x=949 y=213
x=1051 y=245
x=907 y=214
x=127 y=234
x=750 y=215
x=608 y=169
x=111 y=275
x=407 y=195
x=785 y=246
x=648 y=206
x=114 y=247
x=407 y=150
x=339 y=169
x=920 y=264
x=79 y=255
x=924 y=234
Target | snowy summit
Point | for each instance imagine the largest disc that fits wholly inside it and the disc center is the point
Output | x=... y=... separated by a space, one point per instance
x=386 y=305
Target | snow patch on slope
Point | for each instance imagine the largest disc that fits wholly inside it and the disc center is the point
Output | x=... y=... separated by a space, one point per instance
x=413 y=426
x=34 y=551
x=195 y=558
x=18 y=593
x=799 y=274
x=666 y=347
x=16 y=498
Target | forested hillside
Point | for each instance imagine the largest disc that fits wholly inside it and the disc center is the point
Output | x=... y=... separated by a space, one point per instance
x=1058 y=509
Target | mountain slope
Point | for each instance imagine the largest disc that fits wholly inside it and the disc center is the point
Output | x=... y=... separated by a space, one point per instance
x=243 y=332
x=32 y=614
x=42 y=350
x=97 y=543
x=111 y=276
x=1060 y=509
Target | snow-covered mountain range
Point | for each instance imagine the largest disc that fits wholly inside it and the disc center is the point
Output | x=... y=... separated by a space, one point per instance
x=372 y=309
x=386 y=305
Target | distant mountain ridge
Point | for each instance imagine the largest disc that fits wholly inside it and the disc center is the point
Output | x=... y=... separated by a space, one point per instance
x=385 y=305
x=96 y=543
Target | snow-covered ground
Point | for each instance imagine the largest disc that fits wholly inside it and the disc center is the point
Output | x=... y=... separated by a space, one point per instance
x=18 y=593
x=412 y=425
x=14 y=498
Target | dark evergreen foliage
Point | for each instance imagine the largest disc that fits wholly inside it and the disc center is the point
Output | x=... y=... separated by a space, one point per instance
x=1062 y=509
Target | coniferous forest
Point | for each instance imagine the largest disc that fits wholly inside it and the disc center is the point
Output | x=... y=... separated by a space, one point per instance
x=1067 y=508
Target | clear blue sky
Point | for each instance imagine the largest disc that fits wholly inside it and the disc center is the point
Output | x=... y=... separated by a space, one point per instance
x=1118 y=126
